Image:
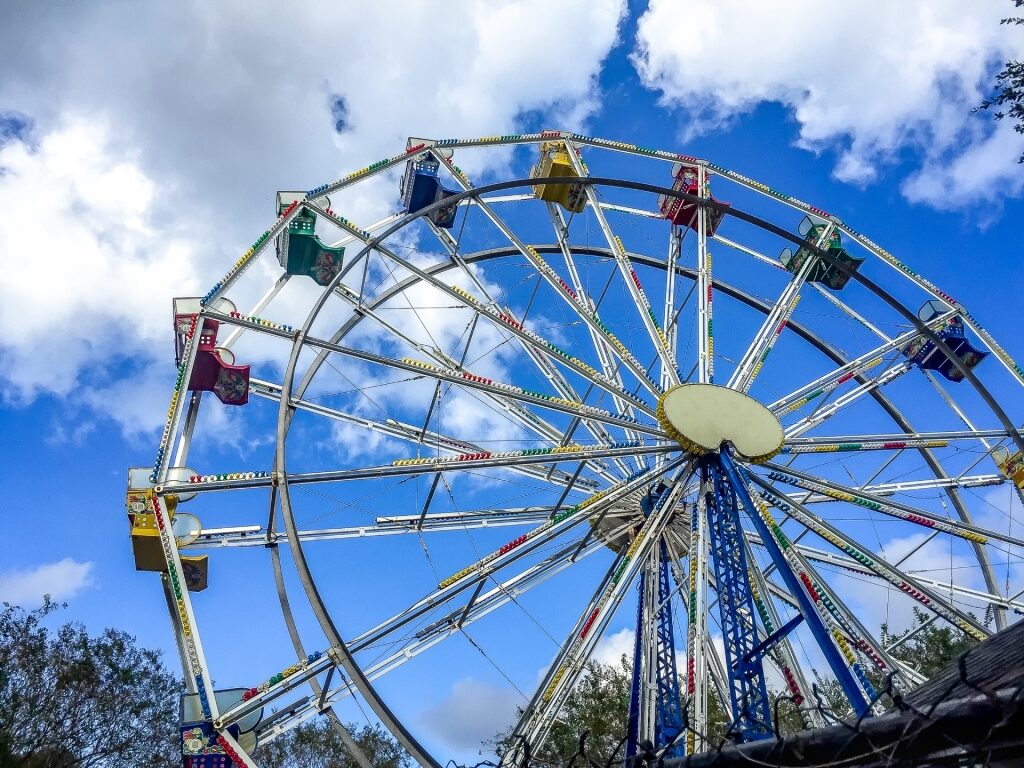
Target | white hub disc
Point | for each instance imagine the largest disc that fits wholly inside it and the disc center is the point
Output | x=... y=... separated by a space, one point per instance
x=700 y=417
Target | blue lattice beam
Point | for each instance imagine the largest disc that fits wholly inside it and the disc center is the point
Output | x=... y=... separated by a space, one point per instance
x=656 y=669
x=748 y=691
x=798 y=589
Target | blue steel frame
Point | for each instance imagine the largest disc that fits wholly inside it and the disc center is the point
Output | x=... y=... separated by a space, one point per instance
x=821 y=635
x=670 y=720
x=669 y=716
x=748 y=691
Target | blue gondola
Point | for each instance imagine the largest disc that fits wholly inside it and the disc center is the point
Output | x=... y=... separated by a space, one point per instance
x=924 y=353
x=421 y=187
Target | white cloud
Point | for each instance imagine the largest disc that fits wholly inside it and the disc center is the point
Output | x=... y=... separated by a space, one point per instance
x=353 y=442
x=471 y=714
x=88 y=280
x=159 y=137
x=611 y=648
x=61 y=580
x=867 y=79
x=958 y=178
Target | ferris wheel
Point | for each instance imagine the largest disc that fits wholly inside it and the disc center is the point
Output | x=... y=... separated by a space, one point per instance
x=477 y=437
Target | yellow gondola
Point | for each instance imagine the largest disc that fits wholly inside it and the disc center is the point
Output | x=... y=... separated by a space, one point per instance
x=1010 y=464
x=555 y=162
x=145 y=535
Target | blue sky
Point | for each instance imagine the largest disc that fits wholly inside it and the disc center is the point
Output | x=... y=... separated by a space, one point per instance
x=140 y=150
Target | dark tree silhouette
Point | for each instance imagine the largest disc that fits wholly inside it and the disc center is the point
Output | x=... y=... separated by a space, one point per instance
x=71 y=700
x=1007 y=98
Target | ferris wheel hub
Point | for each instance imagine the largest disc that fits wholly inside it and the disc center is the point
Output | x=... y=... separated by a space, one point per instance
x=701 y=417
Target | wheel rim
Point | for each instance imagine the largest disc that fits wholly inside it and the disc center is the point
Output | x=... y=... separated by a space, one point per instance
x=777 y=475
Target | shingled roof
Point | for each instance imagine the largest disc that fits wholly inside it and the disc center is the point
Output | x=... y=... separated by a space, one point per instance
x=994 y=665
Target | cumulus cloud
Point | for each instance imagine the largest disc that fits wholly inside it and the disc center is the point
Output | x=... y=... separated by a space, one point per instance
x=868 y=80
x=61 y=580
x=611 y=648
x=88 y=279
x=145 y=157
x=472 y=713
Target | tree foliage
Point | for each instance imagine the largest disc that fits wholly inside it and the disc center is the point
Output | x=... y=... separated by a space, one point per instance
x=931 y=648
x=317 y=745
x=599 y=706
x=71 y=700
x=1007 y=98
x=599 y=703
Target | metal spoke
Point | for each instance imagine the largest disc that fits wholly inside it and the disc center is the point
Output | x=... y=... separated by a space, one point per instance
x=448 y=625
x=705 y=296
x=696 y=627
x=565 y=671
x=523 y=416
x=544 y=364
x=814 y=419
x=908 y=486
x=537 y=537
x=257 y=536
x=670 y=316
x=257 y=308
x=546 y=367
x=849 y=564
x=1001 y=354
x=895 y=438
x=847 y=371
x=833 y=446
x=452 y=446
x=577 y=302
x=752 y=360
x=467 y=380
x=603 y=348
x=629 y=276
x=896 y=509
x=525 y=732
x=505 y=322
x=407 y=467
x=900 y=579
x=856 y=633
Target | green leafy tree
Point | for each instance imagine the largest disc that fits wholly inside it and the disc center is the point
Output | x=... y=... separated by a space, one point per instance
x=599 y=706
x=932 y=647
x=786 y=717
x=72 y=700
x=317 y=745
x=1007 y=98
